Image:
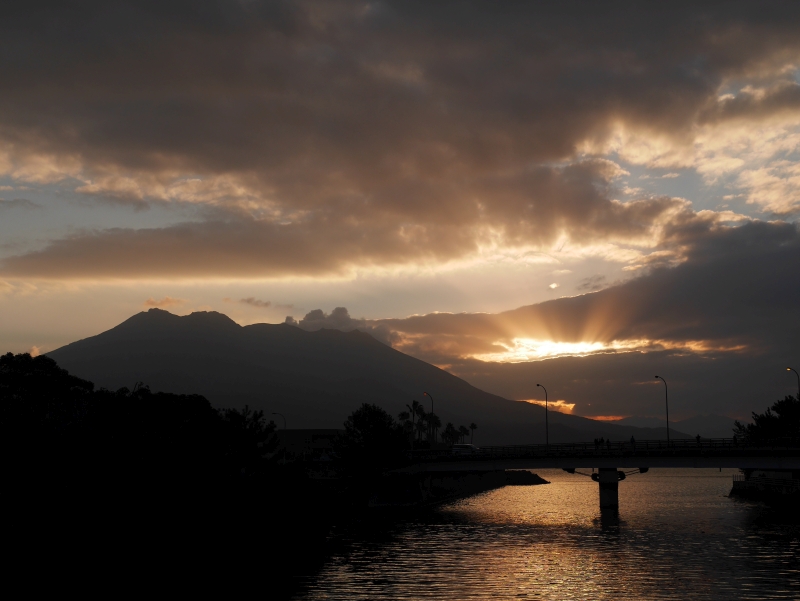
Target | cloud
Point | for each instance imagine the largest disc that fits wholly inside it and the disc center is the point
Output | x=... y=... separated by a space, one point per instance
x=735 y=290
x=260 y=304
x=167 y=301
x=254 y=302
x=325 y=138
x=339 y=319
x=592 y=283
x=18 y=203
x=560 y=405
x=782 y=97
x=538 y=210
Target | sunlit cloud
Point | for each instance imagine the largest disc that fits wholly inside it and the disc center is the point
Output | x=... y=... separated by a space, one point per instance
x=560 y=405
x=609 y=418
x=252 y=301
x=162 y=303
x=522 y=349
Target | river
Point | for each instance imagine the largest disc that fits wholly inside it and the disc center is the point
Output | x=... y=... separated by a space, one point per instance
x=677 y=536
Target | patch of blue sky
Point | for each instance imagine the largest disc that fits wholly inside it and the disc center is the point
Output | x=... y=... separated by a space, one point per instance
x=724 y=194
x=55 y=210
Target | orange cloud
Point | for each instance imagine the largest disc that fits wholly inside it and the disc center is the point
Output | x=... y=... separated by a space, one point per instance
x=560 y=405
x=167 y=301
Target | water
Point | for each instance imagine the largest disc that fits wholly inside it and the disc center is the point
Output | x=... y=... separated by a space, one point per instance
x=677 y=536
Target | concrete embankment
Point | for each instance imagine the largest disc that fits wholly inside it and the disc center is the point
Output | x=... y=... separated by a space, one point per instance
x=424 y=489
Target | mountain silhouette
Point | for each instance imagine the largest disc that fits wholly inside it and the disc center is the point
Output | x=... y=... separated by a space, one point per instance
x=315 y=379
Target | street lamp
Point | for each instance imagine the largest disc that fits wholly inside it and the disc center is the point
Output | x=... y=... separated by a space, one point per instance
x=798 y=381
x=284 y=419
x=285 y=442
x=546 y=425
x=431 y=398
x=666 y=400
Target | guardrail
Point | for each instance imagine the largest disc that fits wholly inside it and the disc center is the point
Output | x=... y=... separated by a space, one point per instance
x=643 y=448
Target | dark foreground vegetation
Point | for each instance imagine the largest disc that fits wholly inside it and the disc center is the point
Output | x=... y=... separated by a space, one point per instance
x=152 y=486
x=777 y=426
x=780 y=421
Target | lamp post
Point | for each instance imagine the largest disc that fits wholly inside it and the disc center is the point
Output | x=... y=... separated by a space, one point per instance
x=431 y=398
x=798 y=381
x=546 y=425
x=285 y=442
x=284 y=418
x=666 y=400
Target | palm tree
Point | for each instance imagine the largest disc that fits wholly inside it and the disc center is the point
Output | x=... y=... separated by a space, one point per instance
x=462 y=432
x=412 y=409
x=450 y=434
x=421 y=426
x=434 y=424
x=472 y=427
x=408 y=424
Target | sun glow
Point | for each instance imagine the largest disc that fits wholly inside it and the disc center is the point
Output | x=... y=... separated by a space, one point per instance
x=528 y=349
x=560 y=405
x=520 y=350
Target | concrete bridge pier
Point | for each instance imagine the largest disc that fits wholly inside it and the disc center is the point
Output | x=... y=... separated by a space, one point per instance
x=608 y=478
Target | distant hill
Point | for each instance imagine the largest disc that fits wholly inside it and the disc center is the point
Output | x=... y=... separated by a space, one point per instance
x=315 y=379
x=707 y=426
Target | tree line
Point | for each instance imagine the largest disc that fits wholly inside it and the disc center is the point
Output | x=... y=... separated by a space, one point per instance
x=421 y=426
x=780 y=421
x=53 y=424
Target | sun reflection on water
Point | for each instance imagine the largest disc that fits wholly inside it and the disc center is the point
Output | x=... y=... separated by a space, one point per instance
x=676 y=536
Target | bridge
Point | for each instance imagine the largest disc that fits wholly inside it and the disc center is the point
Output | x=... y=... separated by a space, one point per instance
x=609 y=457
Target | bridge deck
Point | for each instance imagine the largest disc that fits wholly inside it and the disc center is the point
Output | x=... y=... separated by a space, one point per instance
x=717 y=452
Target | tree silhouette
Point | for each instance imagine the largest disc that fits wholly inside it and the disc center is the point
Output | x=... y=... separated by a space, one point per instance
x=434 y=423
x=462 y=433
x=781 y=420
x=250 y=439
x=372 y=440
x=407 y=423
x=472 y=428
x=413 y=410
x=450 y=434
x=59 y=427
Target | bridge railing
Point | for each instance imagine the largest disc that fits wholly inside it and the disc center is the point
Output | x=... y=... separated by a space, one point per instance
x=687 y=446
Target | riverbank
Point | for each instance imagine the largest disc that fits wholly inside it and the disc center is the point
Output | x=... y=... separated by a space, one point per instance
x=427 y=489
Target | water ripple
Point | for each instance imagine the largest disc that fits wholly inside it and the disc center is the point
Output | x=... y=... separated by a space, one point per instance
x=677 y=536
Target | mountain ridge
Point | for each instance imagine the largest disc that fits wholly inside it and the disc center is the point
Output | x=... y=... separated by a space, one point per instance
x=313 y=378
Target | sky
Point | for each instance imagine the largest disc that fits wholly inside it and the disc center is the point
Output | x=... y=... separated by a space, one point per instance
x=584 y=193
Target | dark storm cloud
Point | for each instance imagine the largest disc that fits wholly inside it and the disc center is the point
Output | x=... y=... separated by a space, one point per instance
x=412 y=127
x=591 y=283
x=732 y=384
x=761 y=103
